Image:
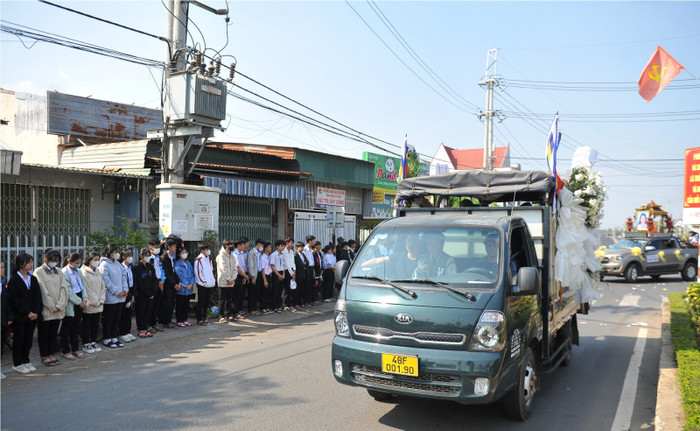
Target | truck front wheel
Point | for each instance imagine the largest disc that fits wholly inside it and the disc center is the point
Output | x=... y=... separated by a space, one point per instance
x=518 y=402
x=690 y=271
x=632 y=273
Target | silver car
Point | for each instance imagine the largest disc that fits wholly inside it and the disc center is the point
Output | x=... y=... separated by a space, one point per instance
x=655 y=256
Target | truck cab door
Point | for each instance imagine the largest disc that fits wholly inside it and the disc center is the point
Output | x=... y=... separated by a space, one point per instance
x=651 y=255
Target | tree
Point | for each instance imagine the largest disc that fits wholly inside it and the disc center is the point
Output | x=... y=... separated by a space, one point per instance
x=122 y=234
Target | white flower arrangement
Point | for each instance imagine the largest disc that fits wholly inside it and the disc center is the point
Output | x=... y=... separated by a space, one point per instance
x=589 y=187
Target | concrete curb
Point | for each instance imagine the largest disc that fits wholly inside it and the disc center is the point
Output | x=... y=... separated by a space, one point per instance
x=669 y=403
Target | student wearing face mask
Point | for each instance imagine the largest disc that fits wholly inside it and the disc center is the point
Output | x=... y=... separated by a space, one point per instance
x=54 y=297
x=252 y=268
x=71 y=324
x=127 y=260
x=205 y=281
x=226 y=273
x=25 y=305
x=155 y=247
x=117 y=289
x=145 y=288
x=185 y=272
x=95 y=296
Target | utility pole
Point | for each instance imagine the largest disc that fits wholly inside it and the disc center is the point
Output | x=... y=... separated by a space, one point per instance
x=489 y=81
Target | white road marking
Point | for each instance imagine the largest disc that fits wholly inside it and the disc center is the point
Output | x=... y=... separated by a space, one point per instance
x=630 y=301
x=623 y=416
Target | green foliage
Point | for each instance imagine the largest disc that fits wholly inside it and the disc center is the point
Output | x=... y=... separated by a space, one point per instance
x=123 y=234
x=212 y=238
x=412 y=164
x=693 y=293
x=685 y=344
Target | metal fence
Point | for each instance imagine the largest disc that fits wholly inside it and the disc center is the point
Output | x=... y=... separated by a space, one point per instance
x=36 y=246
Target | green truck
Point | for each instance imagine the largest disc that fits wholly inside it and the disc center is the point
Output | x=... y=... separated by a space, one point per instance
x=458 y=303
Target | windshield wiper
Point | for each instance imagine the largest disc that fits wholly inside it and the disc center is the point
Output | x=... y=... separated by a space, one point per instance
x=467 y=295
x=408 y=292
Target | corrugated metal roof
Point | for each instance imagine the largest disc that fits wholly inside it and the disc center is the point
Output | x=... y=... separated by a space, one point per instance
x=282 y=152
x=85 y=117
x=336 y=169
x=110 y=172
x=124 y=155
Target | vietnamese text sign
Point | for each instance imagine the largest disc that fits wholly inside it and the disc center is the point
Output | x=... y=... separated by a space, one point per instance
x=386 y=171
x=691 y=199
x=330 y=197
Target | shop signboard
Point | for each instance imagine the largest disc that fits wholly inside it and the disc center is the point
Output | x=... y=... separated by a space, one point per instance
x=386 y=171
x=691 y=197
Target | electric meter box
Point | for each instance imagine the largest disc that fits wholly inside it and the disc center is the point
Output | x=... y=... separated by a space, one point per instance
x=196 y=98
x=187 y=211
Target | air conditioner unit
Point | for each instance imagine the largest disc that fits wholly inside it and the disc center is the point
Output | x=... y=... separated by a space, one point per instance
x=195 y=98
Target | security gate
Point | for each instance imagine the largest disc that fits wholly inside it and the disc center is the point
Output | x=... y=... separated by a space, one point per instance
x=308 y=223
x=245 y=216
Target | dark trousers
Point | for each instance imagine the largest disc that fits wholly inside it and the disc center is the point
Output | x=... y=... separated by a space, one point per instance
x=297 y=294
x=226 y=302
x=110 y=323
x=23 y=334
x=48 y=331
x=144 y=306
x=125 y=319
x=155 y=308
x=264 y=292
x=288 y=290
x=202 y=302
x=70 y=328
x=182 y=302
x=167 y=304
x=328 y=282
x=239 y=293
x=310 y=280
x=276 y=292
x=254 y=294
x=91 y=323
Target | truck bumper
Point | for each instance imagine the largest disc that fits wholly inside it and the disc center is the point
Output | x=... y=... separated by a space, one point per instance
x=612 y=268
x=443 y=374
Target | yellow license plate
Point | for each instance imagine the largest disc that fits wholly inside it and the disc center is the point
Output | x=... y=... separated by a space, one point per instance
x=400 y=364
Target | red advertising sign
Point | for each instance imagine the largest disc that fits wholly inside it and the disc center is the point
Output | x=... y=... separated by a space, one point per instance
x=691 y=199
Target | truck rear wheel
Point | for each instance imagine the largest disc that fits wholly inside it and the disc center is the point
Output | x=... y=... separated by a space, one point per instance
x=690 y=271
x=518 y=402
x=632 y=272
x=379 y=396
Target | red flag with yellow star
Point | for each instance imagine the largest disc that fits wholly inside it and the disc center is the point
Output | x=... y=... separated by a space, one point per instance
x=660 y=70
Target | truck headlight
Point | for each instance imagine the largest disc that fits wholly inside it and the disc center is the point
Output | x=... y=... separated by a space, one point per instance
x=615 y=258
x=340 y=318
x=489 y=333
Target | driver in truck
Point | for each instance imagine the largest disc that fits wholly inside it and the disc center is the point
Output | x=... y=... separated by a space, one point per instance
x=435 y=262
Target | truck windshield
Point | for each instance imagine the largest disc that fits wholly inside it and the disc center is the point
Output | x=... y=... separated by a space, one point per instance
x=625 y=244
x=462 y=256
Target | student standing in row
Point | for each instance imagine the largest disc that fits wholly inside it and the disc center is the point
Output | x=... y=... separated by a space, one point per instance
x=277 y=264
x=252 y=266
x=299 y=275
x=289 y=271
x=242 y=279
x=185 y=272
x=54 y=297
x=265 y=277
x=145 y=288
x=329 y=263
x=171 y=285
x=125 y=319
x=205 y=281
x=25 y=306
x=95 y=295
x=318 y=272
x=117 y=289
x=226 y=273
x=5 y=315
x=155 y=248
x=310 y=270
x=73 y=321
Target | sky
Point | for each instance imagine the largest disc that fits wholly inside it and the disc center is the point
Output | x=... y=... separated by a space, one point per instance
x=343 y=61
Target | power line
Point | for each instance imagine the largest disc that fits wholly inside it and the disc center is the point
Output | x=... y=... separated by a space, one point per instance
x=387 y=23
x=161 y=38
x=404 y=63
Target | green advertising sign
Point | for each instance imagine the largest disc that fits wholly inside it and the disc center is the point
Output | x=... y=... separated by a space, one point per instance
x=386 y=171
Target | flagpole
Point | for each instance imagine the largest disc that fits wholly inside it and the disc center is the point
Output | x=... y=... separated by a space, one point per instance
x=691 y=75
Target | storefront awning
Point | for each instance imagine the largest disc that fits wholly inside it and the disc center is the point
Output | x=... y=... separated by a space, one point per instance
x=273 y=190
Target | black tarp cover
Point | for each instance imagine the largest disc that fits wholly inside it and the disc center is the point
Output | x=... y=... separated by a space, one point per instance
x=510 y=185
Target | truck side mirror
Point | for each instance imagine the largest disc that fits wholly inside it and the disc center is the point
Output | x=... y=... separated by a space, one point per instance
x=341 y=270
x=528 y=281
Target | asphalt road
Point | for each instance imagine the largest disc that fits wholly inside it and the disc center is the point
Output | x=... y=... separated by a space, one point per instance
x=270 y=375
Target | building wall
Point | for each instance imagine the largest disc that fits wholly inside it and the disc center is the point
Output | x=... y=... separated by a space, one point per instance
x=26 y=130
x=442 y=158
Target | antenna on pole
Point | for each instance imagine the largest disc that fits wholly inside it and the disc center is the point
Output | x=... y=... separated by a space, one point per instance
x=489 y=80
